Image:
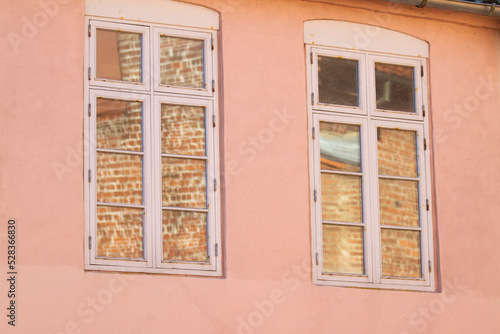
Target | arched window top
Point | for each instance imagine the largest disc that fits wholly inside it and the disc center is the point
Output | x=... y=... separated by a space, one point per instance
x=364 y=37
x=158 y=11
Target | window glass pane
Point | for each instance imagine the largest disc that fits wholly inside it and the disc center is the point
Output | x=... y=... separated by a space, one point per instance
x=119 y=178
x=401 y=253
x=182 y=130
x=395 y=87
x=184 y=236
x=341 y=198
x=338 y=81
x=399 y=203
x=184 y=183
x=120 y=232
x=339 y=147
x=181 y=62
x=119 y=55
x=119 y=124
x=397 y=152
x=343 y=249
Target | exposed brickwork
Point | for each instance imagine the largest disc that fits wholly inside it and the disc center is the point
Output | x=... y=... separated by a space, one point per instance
x=120 y=232
x=397 y=152
x=184 y=236
x=184 y=183
x=401 y=253
x=341 y=202
x=119 y=176
x=181 y=62
x=119 y=125
x=399 y=202
x=183 y=130
x=130 y=51
x=343 y=249
x=341 y=198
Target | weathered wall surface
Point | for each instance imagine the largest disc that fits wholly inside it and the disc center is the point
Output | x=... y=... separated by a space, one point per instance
x=267 y=285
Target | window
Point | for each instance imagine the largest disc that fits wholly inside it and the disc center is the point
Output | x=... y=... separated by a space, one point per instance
x=370 y=170
x=152 y=162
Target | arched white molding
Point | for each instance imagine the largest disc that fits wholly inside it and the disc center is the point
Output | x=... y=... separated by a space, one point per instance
x=157 y=11
x=363 y=37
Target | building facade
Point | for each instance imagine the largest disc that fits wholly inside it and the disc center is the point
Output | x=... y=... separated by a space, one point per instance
x=249 y=166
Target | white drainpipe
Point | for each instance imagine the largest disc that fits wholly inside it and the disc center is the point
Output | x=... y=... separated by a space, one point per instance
x=485 y=9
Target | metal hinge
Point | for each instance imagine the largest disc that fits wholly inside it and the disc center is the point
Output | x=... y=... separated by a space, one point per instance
x=216 y=249
x=213 y=86
x=90 y=110
x=312 y=58
x=425 y=144
x=213 y=46
x=315 y=196
x=314 y=133
x=215 y=184
x=213 y=120
x=423 y=110
x=317 y=259
x=427 y=204
x=430 y=266
x=312 y=98
x=90 y=30
x=90 y=176
x=89 y=73
x=422 y=70
x=90 y=242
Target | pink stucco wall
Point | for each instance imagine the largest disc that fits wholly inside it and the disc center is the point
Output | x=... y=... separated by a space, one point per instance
x=266 y=220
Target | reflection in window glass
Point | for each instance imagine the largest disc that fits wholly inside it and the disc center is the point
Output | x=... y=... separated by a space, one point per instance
x=339 y=147
x=343 y=249
x=119 y=178
x=395 y=87
x=181 y=62
x=184 y=183
x=401 y=253
x=120 y=232
x=399 y=203
x=118 y=55
x=397 y=152
x=184 y=236
x=183 y=130
x=119 y=125
x=341 y=198
x=338 y=81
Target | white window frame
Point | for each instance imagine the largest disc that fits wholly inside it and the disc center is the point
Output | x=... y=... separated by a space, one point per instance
x=199 y=23
x=113 y=84
x=206 y=37
x=328 y=52
x=331 y=38
x=418 y=67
